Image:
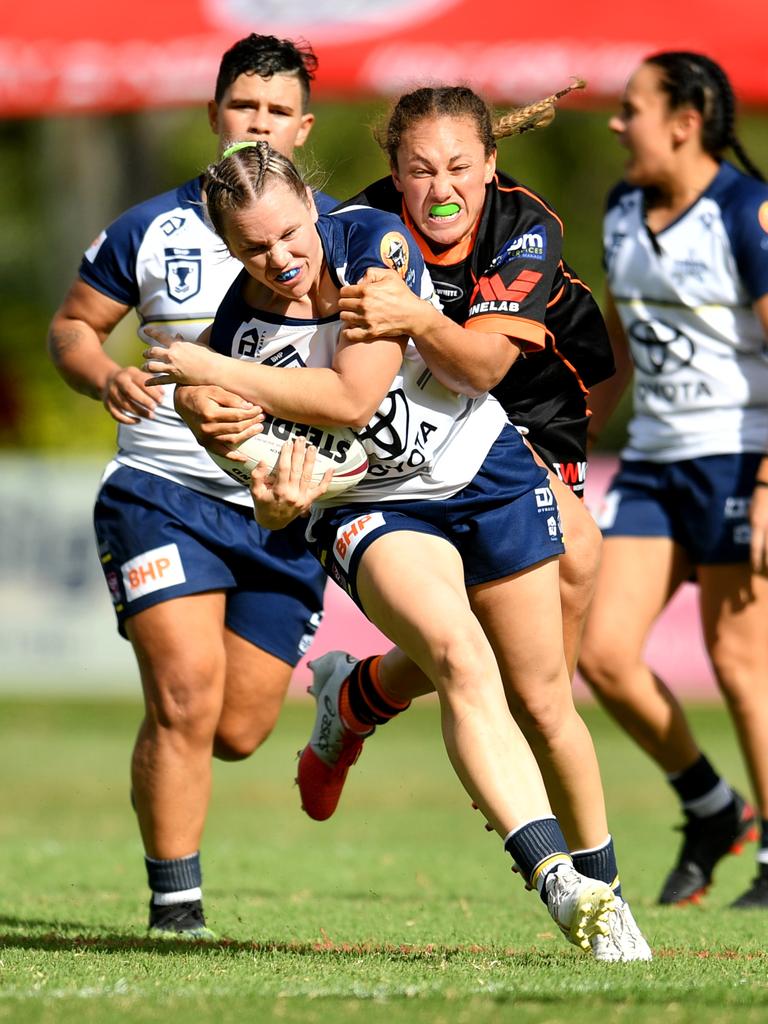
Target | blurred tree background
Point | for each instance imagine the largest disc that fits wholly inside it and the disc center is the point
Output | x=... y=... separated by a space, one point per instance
x=67 y=178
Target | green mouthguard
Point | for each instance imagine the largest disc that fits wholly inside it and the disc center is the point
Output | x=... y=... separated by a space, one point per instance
x=444 y=209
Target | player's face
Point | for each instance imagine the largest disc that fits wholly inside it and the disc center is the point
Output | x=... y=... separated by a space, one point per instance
x=648 y=129
x=276 y=241
x=255 y=108
x=442 y=171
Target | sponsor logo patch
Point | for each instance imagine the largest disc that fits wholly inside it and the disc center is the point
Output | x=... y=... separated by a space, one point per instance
x=153 y=570
x=736 y=508
x=491 y=295
x=350 y=534
x=93 y=249
x=530 y=245
x=448 y=292
x=394 y=253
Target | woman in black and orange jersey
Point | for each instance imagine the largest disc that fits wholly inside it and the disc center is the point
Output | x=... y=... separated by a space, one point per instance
x=518 y=321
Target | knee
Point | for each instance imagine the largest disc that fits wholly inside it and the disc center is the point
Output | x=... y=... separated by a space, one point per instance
x=600 y=662
x=580 y=564
x=237 y=739
x=462 y=662
x=185 y=701
x=739 y=679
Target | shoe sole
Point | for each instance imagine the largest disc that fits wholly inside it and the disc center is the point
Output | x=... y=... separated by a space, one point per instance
x=192 y=935
x=591 y=916
x=749 y=835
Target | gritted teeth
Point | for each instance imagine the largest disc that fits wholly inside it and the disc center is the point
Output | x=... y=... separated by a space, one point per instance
x=287 y=275
x=444 y=209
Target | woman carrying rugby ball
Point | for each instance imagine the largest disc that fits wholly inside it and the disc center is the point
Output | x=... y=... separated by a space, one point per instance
x=450 y=543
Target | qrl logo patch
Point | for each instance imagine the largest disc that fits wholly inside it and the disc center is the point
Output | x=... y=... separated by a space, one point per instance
x=393 y=250
x=152 y=570
x=182 y=273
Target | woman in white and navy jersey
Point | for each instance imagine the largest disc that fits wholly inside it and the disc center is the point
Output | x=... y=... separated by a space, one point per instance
x=686 y=249
x=455 y=530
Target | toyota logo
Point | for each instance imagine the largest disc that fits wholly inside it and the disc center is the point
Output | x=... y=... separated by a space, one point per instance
x=658 y=347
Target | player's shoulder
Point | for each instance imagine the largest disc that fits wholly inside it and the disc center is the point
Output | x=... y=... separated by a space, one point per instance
x=166 y=213
x=736 y=192
x=180 y=202
x=323 y=201
x=381 y=195
x=358 y=237
x=622 y=195
x=514 y=198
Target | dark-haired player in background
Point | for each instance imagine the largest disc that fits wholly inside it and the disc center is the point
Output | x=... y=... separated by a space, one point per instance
x=686 y=244
x=218 y=610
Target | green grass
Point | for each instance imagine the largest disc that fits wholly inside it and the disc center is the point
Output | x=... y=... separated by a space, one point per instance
x=400 y=909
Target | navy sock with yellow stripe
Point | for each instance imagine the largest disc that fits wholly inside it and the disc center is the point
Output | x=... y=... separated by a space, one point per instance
x=600 y=863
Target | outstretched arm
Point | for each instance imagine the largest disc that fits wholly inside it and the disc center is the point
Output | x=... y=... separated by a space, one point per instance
x=346 y=394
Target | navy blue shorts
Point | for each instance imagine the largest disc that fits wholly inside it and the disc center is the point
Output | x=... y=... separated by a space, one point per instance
x=701 y=504
x=158 y=540
x=504 y=521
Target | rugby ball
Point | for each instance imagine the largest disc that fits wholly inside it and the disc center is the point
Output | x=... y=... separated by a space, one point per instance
x=338 y=448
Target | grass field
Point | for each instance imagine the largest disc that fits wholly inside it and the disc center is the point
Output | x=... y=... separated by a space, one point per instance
x=400 y=909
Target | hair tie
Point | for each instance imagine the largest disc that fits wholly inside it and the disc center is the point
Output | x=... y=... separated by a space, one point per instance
x=236 y=147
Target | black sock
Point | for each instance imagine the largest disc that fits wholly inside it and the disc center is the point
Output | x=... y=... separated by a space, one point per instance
x=701 y=790
x=600 y=863
x=178 y=875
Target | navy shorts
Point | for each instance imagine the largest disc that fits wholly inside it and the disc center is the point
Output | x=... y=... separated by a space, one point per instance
x=504 y=521
x=701 y=504
x=158 y=540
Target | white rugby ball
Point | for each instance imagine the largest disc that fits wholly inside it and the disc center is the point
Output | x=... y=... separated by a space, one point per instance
x=338 y=448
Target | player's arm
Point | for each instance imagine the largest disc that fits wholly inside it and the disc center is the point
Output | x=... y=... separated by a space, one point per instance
x=218 y=418
x=76 y=337
x=345 y=395
x=605 y=396
x=382 y=305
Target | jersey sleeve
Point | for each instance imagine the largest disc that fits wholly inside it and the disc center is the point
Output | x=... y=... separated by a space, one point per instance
x=512 y=294
x=378 y=239
x=109 y=263
x=747 y=226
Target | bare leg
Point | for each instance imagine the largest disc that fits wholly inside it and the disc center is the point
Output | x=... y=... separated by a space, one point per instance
x=412 y=588
x=254 y=691
x=180 y=651
x=734 y=609
x=539 y=694
x=638 y=576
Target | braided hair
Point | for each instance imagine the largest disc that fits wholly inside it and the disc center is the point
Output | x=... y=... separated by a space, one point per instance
x=693 y=80
x=460 y=101
x=241 y=176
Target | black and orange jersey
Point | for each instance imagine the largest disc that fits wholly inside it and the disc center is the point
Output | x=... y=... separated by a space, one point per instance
x=510 y=278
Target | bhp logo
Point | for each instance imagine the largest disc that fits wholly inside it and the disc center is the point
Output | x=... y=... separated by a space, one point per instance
x=152 y=570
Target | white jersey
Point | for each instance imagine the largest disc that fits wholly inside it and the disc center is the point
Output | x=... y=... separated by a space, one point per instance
x=424 y=441
x=685 y=296
x=162 y=258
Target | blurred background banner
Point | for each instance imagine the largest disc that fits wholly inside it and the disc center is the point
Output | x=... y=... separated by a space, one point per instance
x=93 y=56
x=103 y=105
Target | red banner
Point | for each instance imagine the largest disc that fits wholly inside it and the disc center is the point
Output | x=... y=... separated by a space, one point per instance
x=89 y=55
